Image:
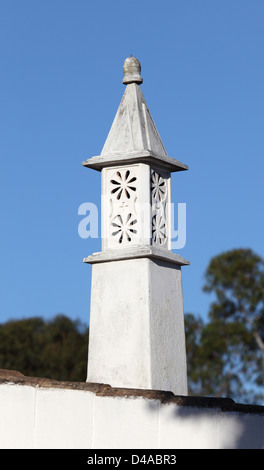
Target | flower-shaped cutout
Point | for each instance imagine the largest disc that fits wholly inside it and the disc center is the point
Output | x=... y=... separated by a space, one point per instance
x=124 y=183
x=124 y=227
x=159 y=230
x=158 y=187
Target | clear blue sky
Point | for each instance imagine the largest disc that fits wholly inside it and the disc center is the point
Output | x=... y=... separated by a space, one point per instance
x=60 y=86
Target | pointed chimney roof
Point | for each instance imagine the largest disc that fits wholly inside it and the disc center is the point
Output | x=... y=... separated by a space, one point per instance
x=133 y=136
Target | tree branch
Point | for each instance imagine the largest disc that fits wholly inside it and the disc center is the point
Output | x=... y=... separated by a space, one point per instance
x=255 y=333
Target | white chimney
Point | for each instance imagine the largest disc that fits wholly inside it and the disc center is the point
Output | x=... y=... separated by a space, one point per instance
x=137 y=337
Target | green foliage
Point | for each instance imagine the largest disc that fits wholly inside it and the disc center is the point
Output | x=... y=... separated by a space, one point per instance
x=54 y=349
x=228 y=355
x=237 y=279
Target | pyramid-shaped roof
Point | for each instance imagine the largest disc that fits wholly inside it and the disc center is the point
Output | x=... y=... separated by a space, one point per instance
x=133 y=136
x=133 y=128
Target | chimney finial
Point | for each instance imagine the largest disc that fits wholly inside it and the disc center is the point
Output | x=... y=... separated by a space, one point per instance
x=132 y=69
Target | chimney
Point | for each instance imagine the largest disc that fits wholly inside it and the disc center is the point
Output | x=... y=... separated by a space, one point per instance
x=137 y=337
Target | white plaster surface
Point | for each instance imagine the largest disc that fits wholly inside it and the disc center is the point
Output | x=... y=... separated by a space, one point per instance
x=184 y=427
x=17 y=416
x=137 y=337
x=119 y=349
x=167 y=333
x=34 y=417
x=121 y=417
x=64 y=412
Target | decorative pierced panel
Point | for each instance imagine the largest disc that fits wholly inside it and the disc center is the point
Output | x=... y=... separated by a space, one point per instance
x=122 y=194
x=135 y=207
x=159 y=188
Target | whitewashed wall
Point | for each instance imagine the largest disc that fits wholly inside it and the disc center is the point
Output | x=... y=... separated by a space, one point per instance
x=38 y=413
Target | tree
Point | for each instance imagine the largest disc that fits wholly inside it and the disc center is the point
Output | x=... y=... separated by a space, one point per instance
x=237 y=279
x=54 y=349
x=229 y=348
